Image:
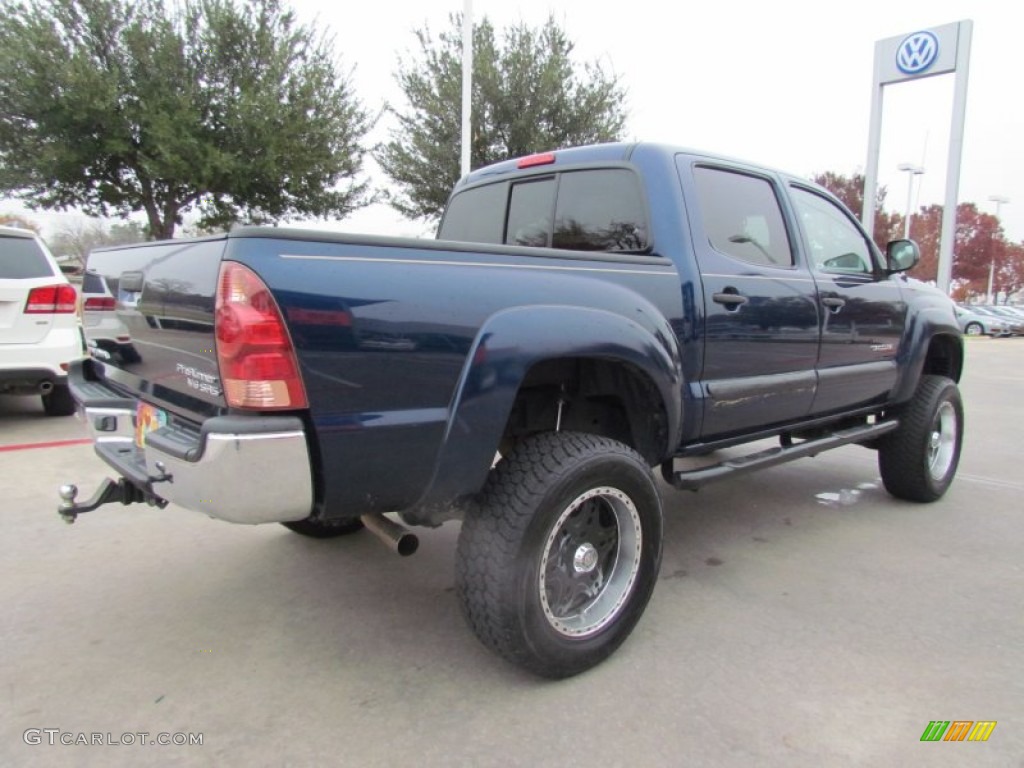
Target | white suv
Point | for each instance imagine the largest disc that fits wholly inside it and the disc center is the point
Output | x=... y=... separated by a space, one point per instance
x=40 y=332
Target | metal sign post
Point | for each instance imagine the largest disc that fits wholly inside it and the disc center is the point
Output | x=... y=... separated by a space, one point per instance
x=926 y=53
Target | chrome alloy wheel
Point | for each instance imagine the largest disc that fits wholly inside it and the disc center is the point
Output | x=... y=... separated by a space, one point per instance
x=942 y=441
x=590 y=563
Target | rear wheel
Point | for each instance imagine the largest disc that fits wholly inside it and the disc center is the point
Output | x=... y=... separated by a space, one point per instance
x=974 y=329
x=58 y=401
x=918 y=460
x=557 y=559
x=325 y=529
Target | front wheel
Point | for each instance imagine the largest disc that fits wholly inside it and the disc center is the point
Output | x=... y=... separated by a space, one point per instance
x=557 y=559
x=974 y=329
x=918 y=460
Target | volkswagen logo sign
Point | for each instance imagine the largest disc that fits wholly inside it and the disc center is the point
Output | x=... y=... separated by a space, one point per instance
x=917 y=52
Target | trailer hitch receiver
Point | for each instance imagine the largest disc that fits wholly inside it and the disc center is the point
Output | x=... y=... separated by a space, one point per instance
x=110 y=491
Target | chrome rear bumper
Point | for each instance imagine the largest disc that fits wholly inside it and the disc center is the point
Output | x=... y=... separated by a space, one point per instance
x=243 y=469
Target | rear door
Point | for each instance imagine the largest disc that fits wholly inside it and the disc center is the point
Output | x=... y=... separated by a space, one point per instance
x=863 y=313
x=761 y=323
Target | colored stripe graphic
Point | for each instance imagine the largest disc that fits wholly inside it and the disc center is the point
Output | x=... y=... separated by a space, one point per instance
x=958 y=730
x=982 y=730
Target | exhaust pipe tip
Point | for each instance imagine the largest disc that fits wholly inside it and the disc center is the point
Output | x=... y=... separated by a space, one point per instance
x=398 y=538
x=45 y=387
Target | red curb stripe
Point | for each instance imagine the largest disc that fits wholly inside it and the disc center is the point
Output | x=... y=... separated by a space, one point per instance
x=53 y=444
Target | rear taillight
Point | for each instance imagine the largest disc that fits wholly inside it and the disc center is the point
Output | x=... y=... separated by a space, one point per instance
x=51 y=300
x=257 y=361
x=100 y=304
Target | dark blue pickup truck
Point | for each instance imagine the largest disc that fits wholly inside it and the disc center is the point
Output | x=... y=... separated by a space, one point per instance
x=584 y=315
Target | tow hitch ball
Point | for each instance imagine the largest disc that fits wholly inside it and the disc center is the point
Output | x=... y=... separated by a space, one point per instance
x=108 y=492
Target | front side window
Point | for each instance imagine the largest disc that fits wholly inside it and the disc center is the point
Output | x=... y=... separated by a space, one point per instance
x=834 y=243
x=742 y=217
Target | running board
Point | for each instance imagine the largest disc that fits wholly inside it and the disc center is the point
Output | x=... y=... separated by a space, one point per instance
x=691 y=480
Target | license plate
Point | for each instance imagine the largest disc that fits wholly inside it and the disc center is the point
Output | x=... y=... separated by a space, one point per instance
x=147 y=418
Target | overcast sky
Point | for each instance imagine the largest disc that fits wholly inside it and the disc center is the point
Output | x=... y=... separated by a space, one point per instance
x=786 y=84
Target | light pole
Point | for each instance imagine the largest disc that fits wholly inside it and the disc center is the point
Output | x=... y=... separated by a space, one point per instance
x=467 y=85
x=911 y=171
x=998 y=200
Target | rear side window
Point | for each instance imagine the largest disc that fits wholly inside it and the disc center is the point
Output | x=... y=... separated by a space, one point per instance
x=22 y=258
x=590 y=210
x=742 y=218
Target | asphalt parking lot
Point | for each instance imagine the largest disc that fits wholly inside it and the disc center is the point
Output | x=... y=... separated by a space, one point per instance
x=803 y=618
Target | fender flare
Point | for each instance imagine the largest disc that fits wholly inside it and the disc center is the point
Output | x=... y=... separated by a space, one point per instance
x=508 y=345
x=930 y=323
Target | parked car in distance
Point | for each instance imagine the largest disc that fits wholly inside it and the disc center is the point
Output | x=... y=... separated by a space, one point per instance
x=974 y=324
x=1013 y=319
x=104 y=329
x=40 y=333
x=1011 y=324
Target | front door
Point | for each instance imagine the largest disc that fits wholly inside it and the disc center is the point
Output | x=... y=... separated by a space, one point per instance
x=862 y=310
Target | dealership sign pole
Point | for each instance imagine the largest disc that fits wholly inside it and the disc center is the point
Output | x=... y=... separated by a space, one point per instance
x=926 y=53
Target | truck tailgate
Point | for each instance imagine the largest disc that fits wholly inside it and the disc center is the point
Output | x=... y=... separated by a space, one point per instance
x=165 y=294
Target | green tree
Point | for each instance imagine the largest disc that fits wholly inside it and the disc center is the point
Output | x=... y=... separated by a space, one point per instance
x=528 y=96
x=226 y=107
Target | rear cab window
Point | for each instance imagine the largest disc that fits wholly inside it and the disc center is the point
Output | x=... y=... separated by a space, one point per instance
x=598 y=209
x=21 y=258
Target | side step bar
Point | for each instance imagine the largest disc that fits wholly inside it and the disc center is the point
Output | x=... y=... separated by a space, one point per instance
x=692 y=479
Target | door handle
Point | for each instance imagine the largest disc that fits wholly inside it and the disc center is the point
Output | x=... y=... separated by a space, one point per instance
x=729 y=300
x=834 y=303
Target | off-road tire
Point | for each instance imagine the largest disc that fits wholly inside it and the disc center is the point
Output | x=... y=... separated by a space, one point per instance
x=919 y=460
x=557 y=505
x=59 y=402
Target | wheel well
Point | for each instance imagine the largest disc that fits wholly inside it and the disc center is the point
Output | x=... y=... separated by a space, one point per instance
x=945 y=358
x=601 y=397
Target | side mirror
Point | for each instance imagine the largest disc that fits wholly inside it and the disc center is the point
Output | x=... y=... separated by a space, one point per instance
x=902 y=255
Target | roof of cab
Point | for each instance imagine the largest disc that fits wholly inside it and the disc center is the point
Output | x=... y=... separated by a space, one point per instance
x=613 y=152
